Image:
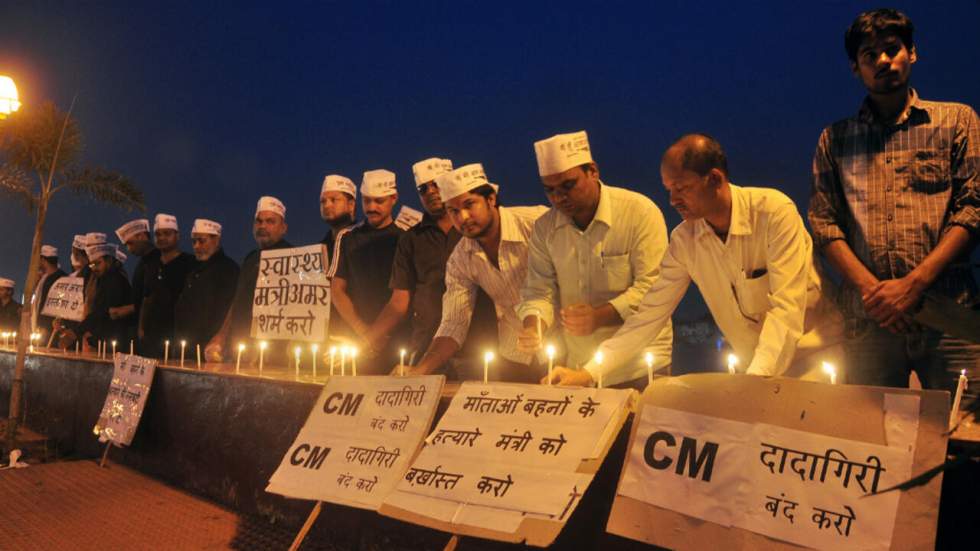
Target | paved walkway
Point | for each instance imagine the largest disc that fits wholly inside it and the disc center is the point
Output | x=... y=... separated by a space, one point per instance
x=78 y=506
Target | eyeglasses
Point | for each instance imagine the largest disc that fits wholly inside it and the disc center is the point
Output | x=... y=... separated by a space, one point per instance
x=424 y=188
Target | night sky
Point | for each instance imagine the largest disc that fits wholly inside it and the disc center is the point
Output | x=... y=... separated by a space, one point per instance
x=207 y=106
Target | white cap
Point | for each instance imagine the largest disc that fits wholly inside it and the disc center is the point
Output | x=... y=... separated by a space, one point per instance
x=78 y=242
x=165 y=222
x=48 y=250
x=378 y=183
x=94 y=238
x=6 y=283
x=463 y=179
x=131 y=228
x=96 y=252
x=427 y=170
x=120 y=256
x=271 y=204
x=335 y=182
x=562 y=152
x=203 y=225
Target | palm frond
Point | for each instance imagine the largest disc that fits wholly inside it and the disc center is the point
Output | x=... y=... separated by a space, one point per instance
x=15 y=181
x=105 y=186
x=29 y=138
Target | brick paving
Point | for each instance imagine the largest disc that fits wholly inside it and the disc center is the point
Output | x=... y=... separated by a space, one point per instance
x=78 y=506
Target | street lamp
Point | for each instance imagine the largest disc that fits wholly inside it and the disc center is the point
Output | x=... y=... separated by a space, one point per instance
x=9 y=101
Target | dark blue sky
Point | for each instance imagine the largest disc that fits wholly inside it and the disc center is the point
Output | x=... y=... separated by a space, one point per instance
x=207 y=106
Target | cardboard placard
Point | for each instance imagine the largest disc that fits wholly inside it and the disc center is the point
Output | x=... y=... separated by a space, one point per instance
x=292 y=295
x=66 y=299
x=745 y=462
x=132 y=377
x=359 y=439
x=510 y=462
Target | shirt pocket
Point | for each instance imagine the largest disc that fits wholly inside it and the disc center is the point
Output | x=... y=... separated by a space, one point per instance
x=616 y=272
x=753 y=296
x=930 y=172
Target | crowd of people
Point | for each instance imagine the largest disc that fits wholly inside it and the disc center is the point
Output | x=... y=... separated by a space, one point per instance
x=894 y=209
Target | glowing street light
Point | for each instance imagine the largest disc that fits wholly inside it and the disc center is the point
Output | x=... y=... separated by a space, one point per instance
x=9 y=100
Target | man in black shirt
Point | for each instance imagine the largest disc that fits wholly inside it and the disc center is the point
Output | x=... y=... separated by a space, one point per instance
x=337 y=208
x=204 y=302
x=135 y=235
x=359 y=288
x=111 y=289
x=163 y=281
x=49 y=272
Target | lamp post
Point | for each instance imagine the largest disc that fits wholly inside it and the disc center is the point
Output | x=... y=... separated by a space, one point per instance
x=9 y=100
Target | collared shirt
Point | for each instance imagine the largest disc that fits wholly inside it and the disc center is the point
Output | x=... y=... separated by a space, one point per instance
x=205 y=300
x=332 y=241
x=615 y=260
x=366 y=254
x=892 y=190
x=420 y=267
x=469 y=267
x=140 y=283
x=757 y=283
x=111 y=291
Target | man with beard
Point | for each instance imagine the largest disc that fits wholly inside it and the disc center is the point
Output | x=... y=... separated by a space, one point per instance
x=895 y=208
x=111 y=289
x=9 y=308
x=204 y=302
x=338 y=203
x=492 y=255
x=49 y=273
x=591 y=260
x=359 y=287
x=135 y=235
x=164 y=280
x=269 y=230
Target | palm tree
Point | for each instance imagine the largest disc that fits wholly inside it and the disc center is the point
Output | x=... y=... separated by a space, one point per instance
x=40 y=149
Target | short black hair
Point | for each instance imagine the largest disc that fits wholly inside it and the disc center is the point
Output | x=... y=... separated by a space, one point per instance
x=484 y=191
x=52 y=260
x=876 y=22
x=700 y=153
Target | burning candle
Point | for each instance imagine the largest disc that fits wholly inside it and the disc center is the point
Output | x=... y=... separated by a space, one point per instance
x=550 y=350
x=487 y=358
x=198 y=350
x=238 y=361
x=353 y=361
x=401 y=362
x=343 y=360
x=961 y=385
x=649 y=360
x=314 y=348
x=831 y=372
x=598 y=363
x=113 y=349
x=262 y=347
x=333 y=354
x=166 y=351
x=183 y=345
x=732 y=362
x=296 y=352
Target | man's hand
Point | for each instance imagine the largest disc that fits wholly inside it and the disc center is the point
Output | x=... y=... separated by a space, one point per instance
x=116 y=312
x=578 y=319
x=564 y=376
x=214 y=352
x=528 y=340
x=890 y=300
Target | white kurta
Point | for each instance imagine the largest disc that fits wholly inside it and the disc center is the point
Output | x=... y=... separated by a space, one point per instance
x=615 y=259
x=757 y=284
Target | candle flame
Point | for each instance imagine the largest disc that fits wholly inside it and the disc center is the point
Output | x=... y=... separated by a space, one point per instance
x=550 y=350
x=599 y=357
x=241 y=347
x=488 y=356
x=829 y=368
x=314 y=347
x=263 y=345
x=649 y=359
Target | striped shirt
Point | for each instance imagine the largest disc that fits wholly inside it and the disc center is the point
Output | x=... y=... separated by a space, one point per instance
x=468 y=268
x=892 y=190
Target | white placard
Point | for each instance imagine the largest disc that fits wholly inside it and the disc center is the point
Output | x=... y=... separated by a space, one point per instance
x=796 y=486
x=292 y=295
x=358 y=440
x=132 y=377
x=66 y=299
x=510 y=447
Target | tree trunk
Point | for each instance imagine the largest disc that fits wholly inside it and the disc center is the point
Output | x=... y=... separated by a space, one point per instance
x=25 y=330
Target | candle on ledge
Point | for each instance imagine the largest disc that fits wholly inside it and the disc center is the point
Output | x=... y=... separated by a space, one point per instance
x=314 y=347
x=550 y=350
x=598 y=363
x=166 y=351
x=76 y=347
x=487 y=358
x=113 y=349
x=198 y=350
x=262 y=346
x=131 y=348
x=353 y=361
x=238 y=361
x=649 y=360
x=732 y=362
x=831 y=372
x=296 y=352
x=183 y=345
x=333 y=354
x=401 y=362
x=343 y=360
x=954 y=413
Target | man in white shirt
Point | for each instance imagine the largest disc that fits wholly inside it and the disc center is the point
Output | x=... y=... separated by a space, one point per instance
x=592 y=258
x=492 y=255
x=752 y=259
